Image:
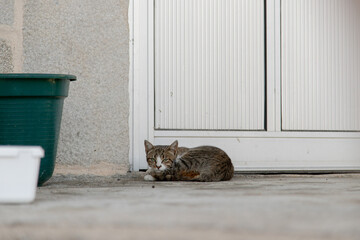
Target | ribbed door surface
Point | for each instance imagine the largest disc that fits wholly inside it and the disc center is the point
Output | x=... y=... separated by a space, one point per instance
x=320 y=65
x=209 y=64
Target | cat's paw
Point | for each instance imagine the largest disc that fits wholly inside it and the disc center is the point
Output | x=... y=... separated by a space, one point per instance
x=149 y=178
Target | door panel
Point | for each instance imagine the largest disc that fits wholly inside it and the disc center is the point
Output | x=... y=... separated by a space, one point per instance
x=209 y=64
x=320 y=46
x=282 y=154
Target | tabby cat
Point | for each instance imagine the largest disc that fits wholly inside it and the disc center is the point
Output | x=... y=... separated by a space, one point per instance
x=173 y=163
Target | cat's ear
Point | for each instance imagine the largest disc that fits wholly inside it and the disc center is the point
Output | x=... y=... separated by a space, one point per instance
x=148 y=146
x=174 y=146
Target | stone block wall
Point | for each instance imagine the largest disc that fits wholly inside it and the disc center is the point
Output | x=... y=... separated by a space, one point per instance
x=89 y=39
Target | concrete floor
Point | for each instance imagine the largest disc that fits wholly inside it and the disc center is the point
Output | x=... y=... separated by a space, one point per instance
x=248 y=207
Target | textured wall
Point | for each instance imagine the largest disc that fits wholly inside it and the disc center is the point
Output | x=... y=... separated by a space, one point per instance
x=6 y=57
x=6 y=30
x=91 y=41
x=6 y=12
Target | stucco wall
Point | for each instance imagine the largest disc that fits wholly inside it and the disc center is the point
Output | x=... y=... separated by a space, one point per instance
x=90 y=40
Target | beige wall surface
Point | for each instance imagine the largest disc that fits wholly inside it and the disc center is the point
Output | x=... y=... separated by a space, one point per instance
x=86 y=39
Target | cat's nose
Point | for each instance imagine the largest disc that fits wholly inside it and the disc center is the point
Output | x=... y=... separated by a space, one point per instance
x=158 y=167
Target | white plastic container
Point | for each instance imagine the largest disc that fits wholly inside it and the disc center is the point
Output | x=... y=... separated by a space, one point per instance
x=19 y=172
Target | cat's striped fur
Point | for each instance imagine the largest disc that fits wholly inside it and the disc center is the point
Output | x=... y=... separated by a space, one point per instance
x=173 y=163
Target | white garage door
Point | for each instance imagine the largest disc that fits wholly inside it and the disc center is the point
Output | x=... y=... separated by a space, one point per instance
x=274 y=83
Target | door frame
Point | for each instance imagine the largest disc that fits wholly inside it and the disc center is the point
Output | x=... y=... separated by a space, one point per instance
x=306 y=146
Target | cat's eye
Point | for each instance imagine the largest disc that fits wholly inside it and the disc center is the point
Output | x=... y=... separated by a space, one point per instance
x=152 y=159
x=165 y=160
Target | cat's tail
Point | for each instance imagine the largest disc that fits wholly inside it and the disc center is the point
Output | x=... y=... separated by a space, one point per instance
x=187 y=175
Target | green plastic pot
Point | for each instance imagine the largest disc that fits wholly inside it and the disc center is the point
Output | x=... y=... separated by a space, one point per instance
x=30 y=113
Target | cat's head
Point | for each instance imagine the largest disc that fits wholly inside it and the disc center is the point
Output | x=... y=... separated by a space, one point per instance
x=161 y=157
